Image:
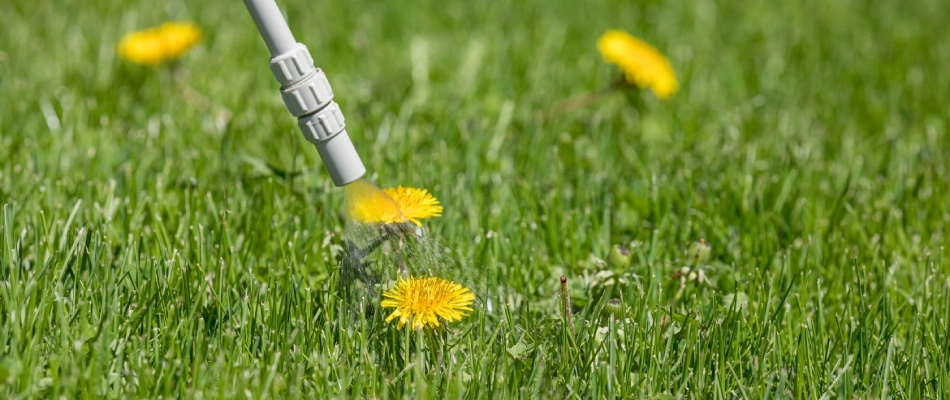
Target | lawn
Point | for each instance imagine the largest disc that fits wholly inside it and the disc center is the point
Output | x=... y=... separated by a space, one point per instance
x=168 y=232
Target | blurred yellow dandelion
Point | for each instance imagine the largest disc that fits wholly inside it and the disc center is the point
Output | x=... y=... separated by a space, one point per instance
x=642 y=64
x=167 y=42
x=424 y=300
x=365 y=203
x=369 y=205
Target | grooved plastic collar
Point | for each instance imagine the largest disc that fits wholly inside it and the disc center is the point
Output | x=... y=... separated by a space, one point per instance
x=308 y=96
x=322 y=125
x=289 y=68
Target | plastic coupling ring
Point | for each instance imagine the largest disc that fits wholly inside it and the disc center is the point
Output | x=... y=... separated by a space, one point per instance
x=322 y=125
x=292 y=66
x=308 y=96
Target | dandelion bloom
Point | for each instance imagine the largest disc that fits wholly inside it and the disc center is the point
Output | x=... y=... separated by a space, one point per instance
x=369 y=205
x=422 y=301
x=415 y=204
x=642 y=64
x=167 y=42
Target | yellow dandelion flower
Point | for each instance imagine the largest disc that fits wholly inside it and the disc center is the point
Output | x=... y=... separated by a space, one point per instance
x=642 y=64
x=368 y=204
x=422 y=301
x=415 y=204
x=167 y=42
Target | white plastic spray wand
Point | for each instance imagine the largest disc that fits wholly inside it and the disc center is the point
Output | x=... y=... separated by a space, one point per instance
x=307 y=94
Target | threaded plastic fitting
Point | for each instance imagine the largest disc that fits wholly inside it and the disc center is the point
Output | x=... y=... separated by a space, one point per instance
x=308 y=96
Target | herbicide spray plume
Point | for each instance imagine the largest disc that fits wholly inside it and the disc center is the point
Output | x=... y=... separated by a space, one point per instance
x=386 y=241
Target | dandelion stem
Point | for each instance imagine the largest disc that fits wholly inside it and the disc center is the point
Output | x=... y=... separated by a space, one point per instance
x=572 y=103
x=582 y=100
x=375 y=244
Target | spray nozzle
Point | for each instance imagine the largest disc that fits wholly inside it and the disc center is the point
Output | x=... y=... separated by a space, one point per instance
x=307 y=94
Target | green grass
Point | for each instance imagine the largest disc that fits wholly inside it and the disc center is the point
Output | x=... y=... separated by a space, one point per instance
x=154 y=245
